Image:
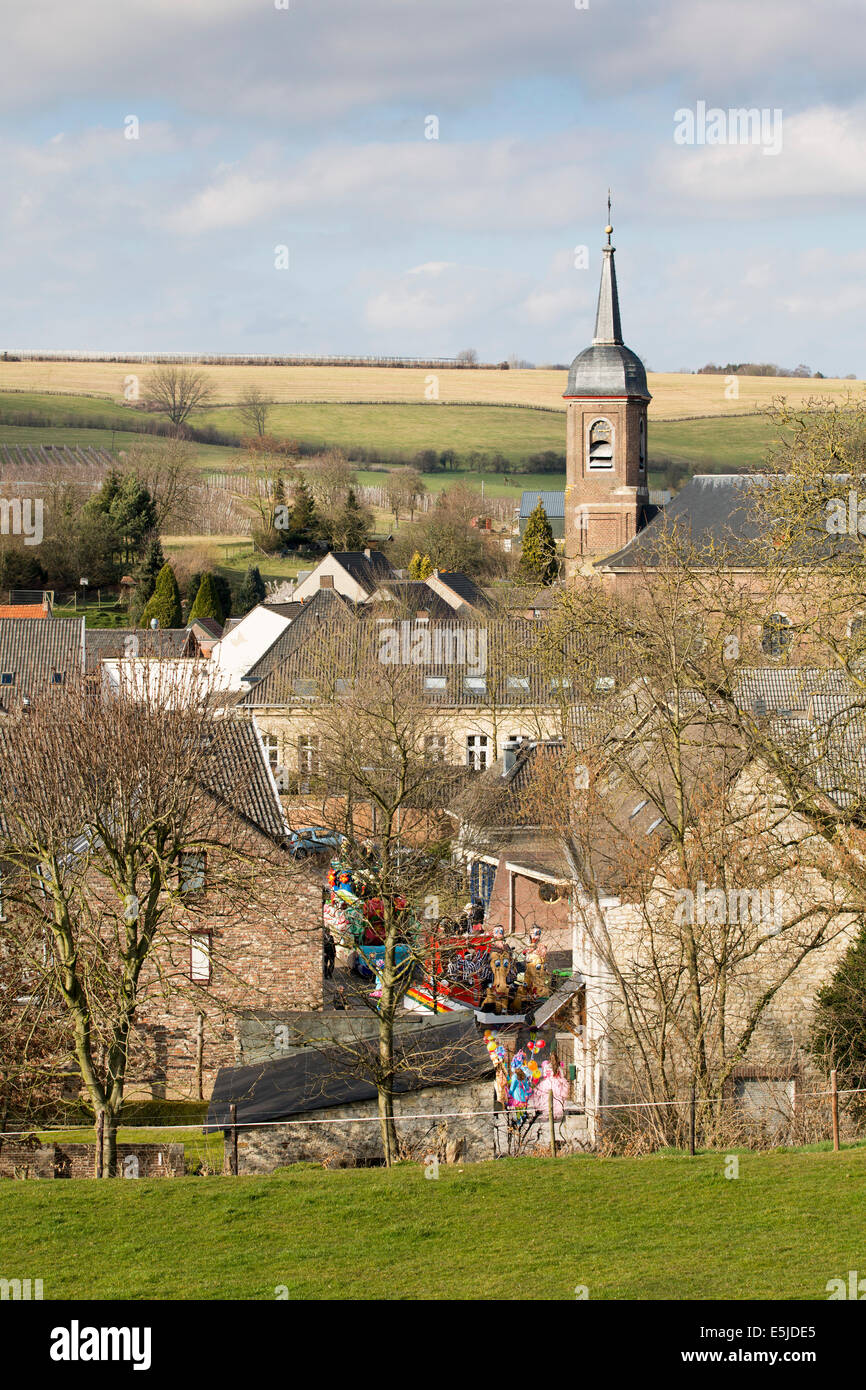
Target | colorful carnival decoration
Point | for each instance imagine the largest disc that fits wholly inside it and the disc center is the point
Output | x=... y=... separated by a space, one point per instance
x=536 y=980
x=554 y=1083
x=519 y=1081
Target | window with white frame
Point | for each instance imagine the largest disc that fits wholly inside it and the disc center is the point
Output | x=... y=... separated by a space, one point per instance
x=600 y=450
x=308 y=753
x=477 y=752
x=272 y=748
x=200 y=957
x=475 y=685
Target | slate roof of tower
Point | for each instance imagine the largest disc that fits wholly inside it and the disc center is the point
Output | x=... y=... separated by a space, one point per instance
x=607 y=367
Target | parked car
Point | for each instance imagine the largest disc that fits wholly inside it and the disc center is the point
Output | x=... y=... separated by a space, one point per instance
x=315 y=839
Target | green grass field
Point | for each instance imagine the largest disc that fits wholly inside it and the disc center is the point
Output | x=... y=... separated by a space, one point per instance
x=725 y=441
x=651 y=1228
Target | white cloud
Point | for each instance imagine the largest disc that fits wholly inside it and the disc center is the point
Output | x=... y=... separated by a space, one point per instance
x=470 y=185
x=823 y=157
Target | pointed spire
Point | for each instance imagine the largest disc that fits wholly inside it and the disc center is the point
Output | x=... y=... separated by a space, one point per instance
x=608 y=328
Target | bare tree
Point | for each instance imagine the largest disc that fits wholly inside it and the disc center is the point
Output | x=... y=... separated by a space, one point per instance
x=372 y=751
x=168 y=471
x=114 y=801
x=178 y=391
x=254 y=409
x=404 y=489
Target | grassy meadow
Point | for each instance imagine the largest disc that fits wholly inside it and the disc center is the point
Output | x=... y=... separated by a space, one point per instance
x=662 y=1227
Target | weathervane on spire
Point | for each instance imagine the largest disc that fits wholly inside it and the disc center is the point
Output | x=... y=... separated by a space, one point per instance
x=608 y=229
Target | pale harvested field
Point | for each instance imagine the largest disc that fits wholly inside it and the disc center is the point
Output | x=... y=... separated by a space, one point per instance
x=675 y=396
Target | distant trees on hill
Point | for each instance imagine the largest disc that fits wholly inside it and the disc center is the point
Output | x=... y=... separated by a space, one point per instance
x=758 y=369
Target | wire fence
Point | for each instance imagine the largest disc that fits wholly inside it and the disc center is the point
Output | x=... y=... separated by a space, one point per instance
x=543 y=1126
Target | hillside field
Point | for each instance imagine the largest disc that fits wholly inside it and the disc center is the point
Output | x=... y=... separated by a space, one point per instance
x=716 y=442
x=674 y=394
x=642 y=1228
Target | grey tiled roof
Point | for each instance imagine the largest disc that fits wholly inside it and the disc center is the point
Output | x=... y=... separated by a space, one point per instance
x=713 y=515
x=104 y=643
x=303 y=625
x=787 y=689
x=455 y=662
x=415 y=596
x=552 y=502
x=367 y=570
x=33 y=650
x=238 y=773
x=464 y=587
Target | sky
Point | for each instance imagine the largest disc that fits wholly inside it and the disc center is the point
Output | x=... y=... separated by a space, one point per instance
x=157 y=155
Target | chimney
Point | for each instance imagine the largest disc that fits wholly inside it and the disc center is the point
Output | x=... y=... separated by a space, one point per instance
x=326 y=581
x=509 y=755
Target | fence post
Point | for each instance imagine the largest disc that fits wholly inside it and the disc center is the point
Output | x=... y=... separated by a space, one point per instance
x=692 y=1122
x=100 y=1133
x=834 y=1106
x=199 y=1054
x=233 y=1111
x=552 y=1126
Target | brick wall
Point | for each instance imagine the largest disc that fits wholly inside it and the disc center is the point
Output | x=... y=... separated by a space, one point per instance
x=20 y=1158
x=266 y=953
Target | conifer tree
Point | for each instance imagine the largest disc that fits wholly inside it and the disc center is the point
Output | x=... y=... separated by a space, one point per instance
x=304 y=521
x=353 y=524
x=165 y=603
x=420 y=566
x=839 y=1032
x=145 y=578
x=538 y=560
x=252 y=590
x=207 y=601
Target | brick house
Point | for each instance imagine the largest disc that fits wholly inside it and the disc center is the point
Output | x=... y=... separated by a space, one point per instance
x=246 y=933
x=242 y=930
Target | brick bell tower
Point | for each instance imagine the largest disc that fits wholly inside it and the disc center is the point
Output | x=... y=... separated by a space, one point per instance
x=606 y=493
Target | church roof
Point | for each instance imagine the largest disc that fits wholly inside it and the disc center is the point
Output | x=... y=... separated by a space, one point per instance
x=710 y=515
x=608 y=367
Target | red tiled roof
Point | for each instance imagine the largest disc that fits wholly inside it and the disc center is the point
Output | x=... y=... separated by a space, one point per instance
x=23 y=610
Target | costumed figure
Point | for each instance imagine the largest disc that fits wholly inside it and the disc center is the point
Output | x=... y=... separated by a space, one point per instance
x=536 y=978
x=499 y=1057
x=552 y=1081
x=519 y=1082
x=496 y=997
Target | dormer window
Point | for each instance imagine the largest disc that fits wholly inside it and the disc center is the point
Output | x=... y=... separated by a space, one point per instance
x=601 y=444
x=7 y=678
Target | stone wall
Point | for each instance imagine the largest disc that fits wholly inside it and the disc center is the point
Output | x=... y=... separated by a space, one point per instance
x=348 y=1136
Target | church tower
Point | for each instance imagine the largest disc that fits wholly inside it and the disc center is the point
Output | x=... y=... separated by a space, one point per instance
x=606 y=493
